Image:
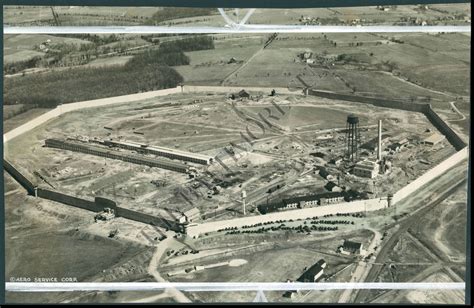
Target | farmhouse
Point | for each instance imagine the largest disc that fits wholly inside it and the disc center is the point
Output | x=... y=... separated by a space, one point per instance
x=314 y=272
x=350 y=247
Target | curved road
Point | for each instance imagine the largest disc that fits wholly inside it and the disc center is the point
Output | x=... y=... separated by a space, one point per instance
x=444 y=186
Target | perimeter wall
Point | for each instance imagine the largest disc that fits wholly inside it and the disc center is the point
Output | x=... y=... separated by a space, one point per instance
x=349 y=207
x=426 y=109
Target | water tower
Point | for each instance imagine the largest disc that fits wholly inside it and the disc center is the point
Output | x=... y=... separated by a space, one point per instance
x=352 y=137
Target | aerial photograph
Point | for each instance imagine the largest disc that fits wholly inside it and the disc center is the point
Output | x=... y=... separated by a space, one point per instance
x=237 y=157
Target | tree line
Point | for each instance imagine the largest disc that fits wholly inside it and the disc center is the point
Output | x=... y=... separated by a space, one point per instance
x=147 y=71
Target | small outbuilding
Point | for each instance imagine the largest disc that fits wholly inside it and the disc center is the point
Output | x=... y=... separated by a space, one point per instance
x=350 y=247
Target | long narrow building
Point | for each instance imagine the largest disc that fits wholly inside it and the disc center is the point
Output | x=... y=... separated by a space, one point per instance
x=161 y=151
x=105 y=152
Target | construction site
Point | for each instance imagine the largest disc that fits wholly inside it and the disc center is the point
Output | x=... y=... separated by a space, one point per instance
x=213 y=154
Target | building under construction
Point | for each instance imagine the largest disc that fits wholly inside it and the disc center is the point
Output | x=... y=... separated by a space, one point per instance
x=104 y=152
x=161 y=151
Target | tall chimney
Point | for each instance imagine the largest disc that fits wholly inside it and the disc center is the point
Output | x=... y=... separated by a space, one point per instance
x=379 y=144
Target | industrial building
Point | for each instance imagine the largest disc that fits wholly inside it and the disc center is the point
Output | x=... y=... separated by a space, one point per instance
x=306 y=201
x=366 y=169
x=190 y=215
x=104 y=152
x=314 y=272
x=161 y=151
x=434 y=139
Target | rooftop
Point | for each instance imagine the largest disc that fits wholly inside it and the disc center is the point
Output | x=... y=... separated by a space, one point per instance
x=162 y=149
x=351 y=245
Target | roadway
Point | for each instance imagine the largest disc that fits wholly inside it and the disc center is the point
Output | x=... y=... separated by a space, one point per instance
x=437 y=191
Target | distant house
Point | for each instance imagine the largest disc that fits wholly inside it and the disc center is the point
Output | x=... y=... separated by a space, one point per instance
x=350 y=247
x=314 y=272
x=243 y=94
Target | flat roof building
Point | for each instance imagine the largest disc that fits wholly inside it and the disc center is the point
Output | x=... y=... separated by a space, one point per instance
x=366 y=169
x=161 y=151
x=434 y=139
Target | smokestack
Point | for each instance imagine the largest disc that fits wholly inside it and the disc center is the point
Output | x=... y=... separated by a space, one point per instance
x=379 y=145
x=244 y=195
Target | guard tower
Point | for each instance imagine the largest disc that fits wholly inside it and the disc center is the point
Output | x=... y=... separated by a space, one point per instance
x=352 y=137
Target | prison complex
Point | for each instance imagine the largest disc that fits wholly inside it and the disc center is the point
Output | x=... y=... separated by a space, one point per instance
x=104 y=152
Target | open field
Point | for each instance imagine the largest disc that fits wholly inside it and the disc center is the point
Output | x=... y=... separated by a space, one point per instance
x=405 y=66
x=282 y=260
x=457 y=14
x=59 y=248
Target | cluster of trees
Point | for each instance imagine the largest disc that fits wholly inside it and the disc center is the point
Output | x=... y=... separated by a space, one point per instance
x=170 y=13
x=171 y=53
x=51 y=89
x=332 y=222
x=188 y=44
x=158 y=56
x=96 y=39
x=298 y=229
x=307 y=229
x=18 y=66
x=144 y=72
x=358 y=215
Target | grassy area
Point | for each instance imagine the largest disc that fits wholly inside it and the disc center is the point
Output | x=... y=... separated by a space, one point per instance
x=21 y=118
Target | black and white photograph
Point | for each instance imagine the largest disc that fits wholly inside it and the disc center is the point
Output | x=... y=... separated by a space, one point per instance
x=281 y=157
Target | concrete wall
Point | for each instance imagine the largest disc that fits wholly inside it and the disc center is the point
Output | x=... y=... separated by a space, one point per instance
x=347 y=207
x=386 y=103
x=426 y=109
x=97 y=205
x=62 y=109
x=148 y=219
x=69 y=200
x=431 y=175
x=229 y=90
x=444 y=128
x=19 y=177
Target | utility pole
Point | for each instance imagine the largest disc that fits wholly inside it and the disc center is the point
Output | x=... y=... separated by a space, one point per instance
x=56 y=17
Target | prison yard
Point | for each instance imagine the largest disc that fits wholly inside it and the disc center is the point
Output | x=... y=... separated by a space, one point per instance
x=303 y=151
x=253 y=133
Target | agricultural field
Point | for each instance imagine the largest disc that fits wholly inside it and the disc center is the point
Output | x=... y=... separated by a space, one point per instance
x=456 y=14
